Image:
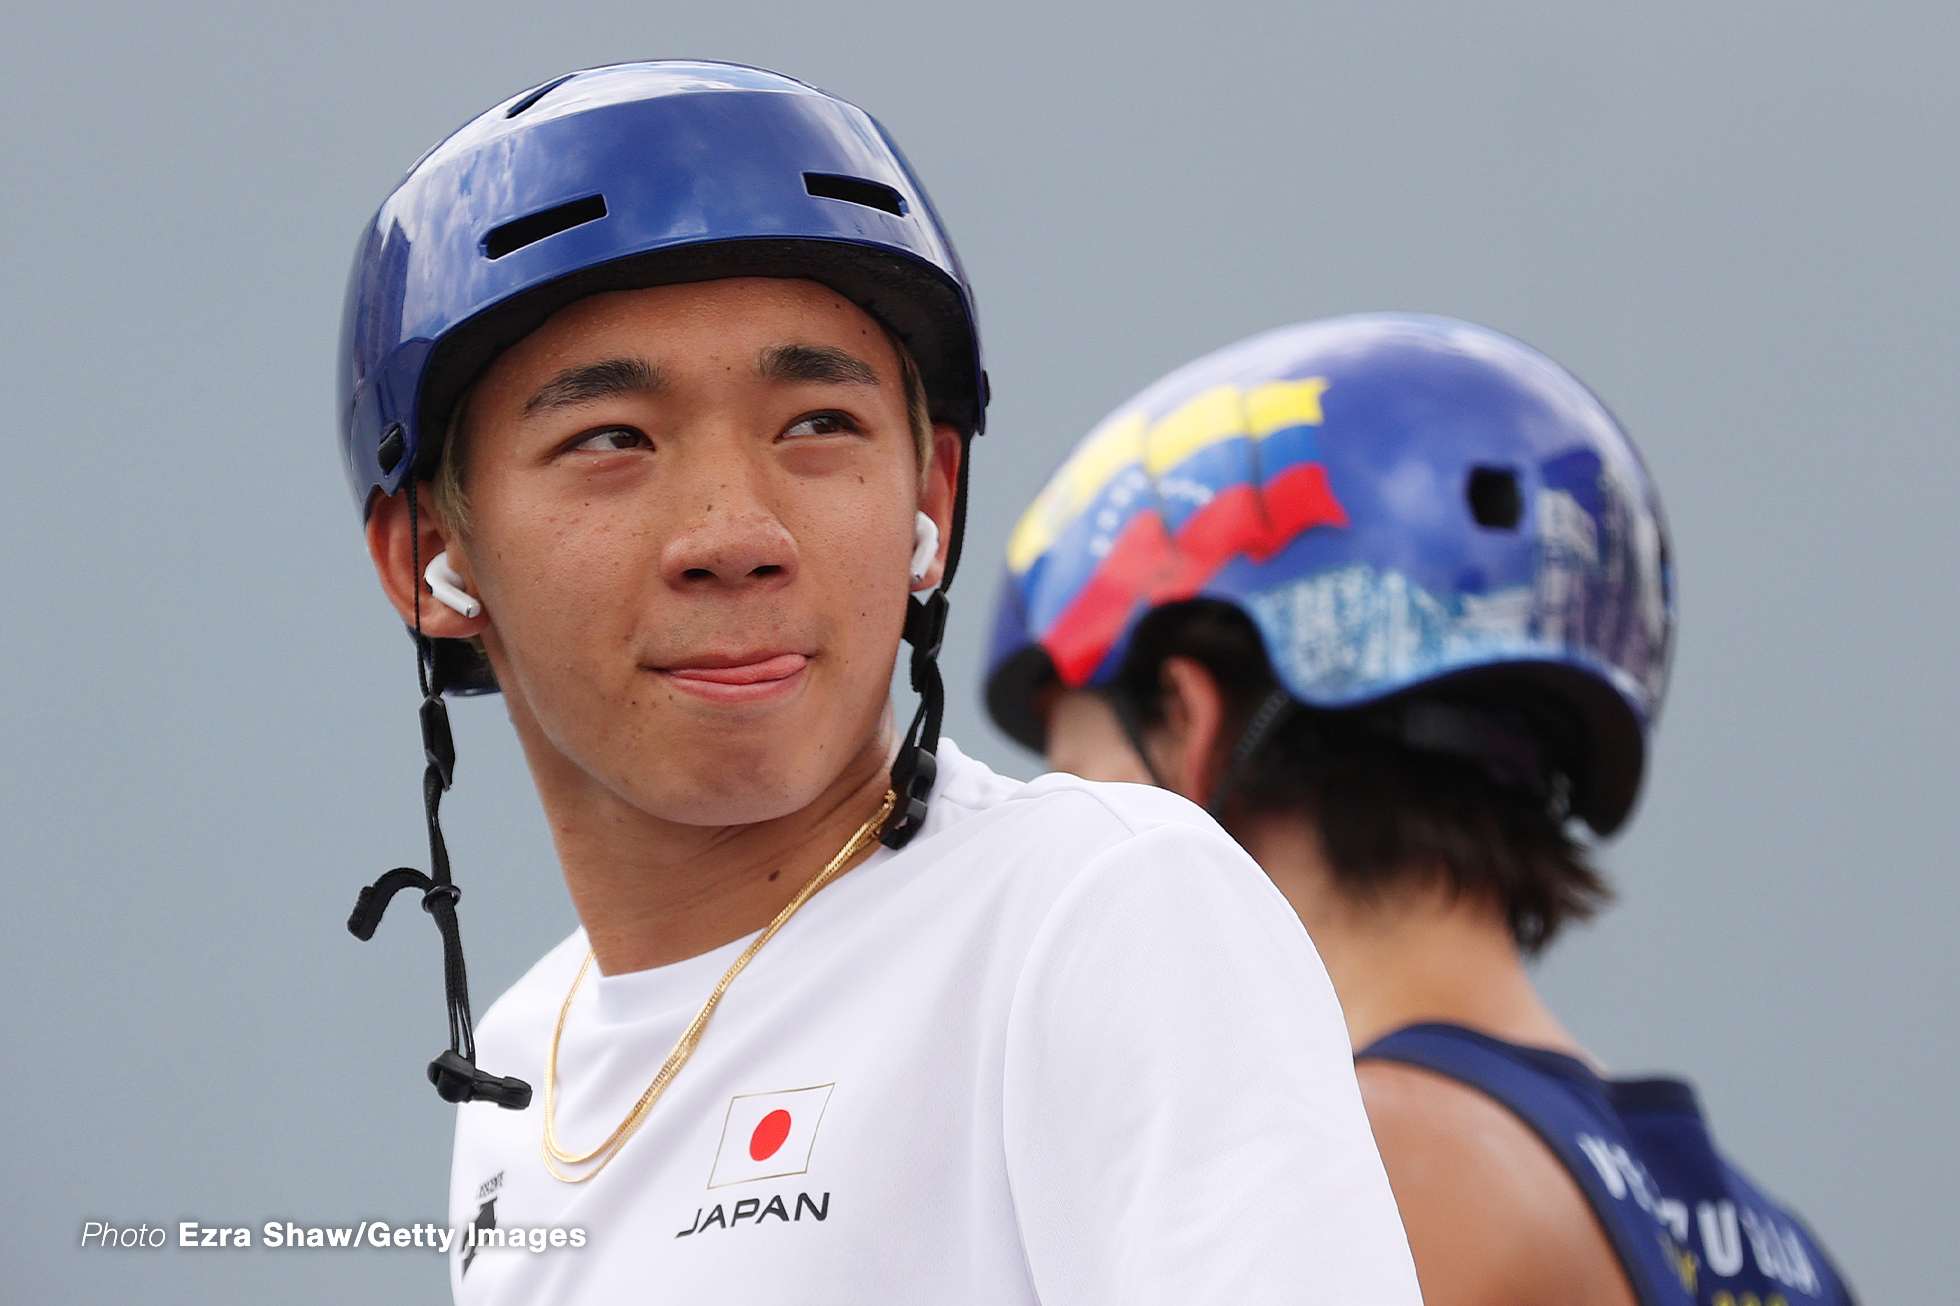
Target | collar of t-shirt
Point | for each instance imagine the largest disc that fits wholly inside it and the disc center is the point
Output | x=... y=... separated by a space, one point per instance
x=964 y=786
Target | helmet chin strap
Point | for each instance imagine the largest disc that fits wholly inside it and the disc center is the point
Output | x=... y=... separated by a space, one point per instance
x=1274 y=711
x=454 y=1072
x=1130 y=718
x=917 y=765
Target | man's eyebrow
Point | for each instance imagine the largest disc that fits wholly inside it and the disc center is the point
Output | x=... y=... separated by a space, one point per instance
x=591 y=381
x=815 y=363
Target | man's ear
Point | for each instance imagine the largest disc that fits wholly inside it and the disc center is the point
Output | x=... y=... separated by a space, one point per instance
x=1190 y=754
x=938 y=494
x=394 y=551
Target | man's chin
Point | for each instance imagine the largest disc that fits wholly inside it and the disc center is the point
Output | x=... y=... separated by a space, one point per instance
x=728 y=768
x=723 y=806
x=722 y=790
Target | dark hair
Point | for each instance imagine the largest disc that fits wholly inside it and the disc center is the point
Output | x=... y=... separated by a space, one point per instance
x=1385 y=809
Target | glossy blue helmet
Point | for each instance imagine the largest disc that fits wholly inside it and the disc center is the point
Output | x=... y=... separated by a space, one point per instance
x=1398 y=503
x=623 y=177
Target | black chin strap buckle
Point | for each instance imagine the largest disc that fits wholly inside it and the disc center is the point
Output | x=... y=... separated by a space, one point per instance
x=457 y=1080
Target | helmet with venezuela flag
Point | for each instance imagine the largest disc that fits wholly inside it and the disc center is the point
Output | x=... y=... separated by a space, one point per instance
x=1399 y=503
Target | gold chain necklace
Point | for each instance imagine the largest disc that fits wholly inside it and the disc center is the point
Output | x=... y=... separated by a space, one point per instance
x=554 y=1155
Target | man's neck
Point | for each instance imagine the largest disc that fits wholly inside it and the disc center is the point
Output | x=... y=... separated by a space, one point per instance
x=651 y=892
x=1417 y=953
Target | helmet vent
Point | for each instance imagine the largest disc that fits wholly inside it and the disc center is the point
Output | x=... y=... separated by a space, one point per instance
x=513 y=236
x=1494 y=498
x=537 y=95
x=855 y=190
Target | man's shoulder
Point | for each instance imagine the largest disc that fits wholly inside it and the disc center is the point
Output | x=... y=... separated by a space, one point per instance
x=1057 y=839
x=1113 y=812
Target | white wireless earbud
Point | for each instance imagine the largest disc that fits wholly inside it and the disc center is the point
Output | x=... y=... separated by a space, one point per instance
x=925 y=546
x=447 y=586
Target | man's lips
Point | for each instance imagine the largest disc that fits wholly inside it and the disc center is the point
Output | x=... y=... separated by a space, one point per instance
x=740 y=671
x=718 y=676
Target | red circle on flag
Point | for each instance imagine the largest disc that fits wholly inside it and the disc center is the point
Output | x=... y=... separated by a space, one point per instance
x=769 y=1135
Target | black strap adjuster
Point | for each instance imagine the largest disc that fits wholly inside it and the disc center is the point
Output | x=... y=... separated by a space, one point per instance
x=438 y=744
x=925 y=624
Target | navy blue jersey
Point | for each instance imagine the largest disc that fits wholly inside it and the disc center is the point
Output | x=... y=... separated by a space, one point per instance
x=1689 y=1227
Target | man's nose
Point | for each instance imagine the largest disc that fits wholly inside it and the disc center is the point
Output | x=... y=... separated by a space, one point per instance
x=731 y=536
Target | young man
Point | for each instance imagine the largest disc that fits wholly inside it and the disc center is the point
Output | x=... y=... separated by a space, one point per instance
x=659 y=384
x=1391 y=596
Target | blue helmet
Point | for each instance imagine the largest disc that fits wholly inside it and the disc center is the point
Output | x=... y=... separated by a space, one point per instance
x=623 y=177
x=618 y=178
x=1396 y=502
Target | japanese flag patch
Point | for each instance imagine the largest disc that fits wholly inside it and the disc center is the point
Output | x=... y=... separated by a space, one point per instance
x=768 y=1135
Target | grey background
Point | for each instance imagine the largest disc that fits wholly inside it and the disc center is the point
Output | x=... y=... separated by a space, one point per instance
x=1734 y=220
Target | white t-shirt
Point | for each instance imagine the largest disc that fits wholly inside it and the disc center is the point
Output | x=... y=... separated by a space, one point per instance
x=1069 y=1046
